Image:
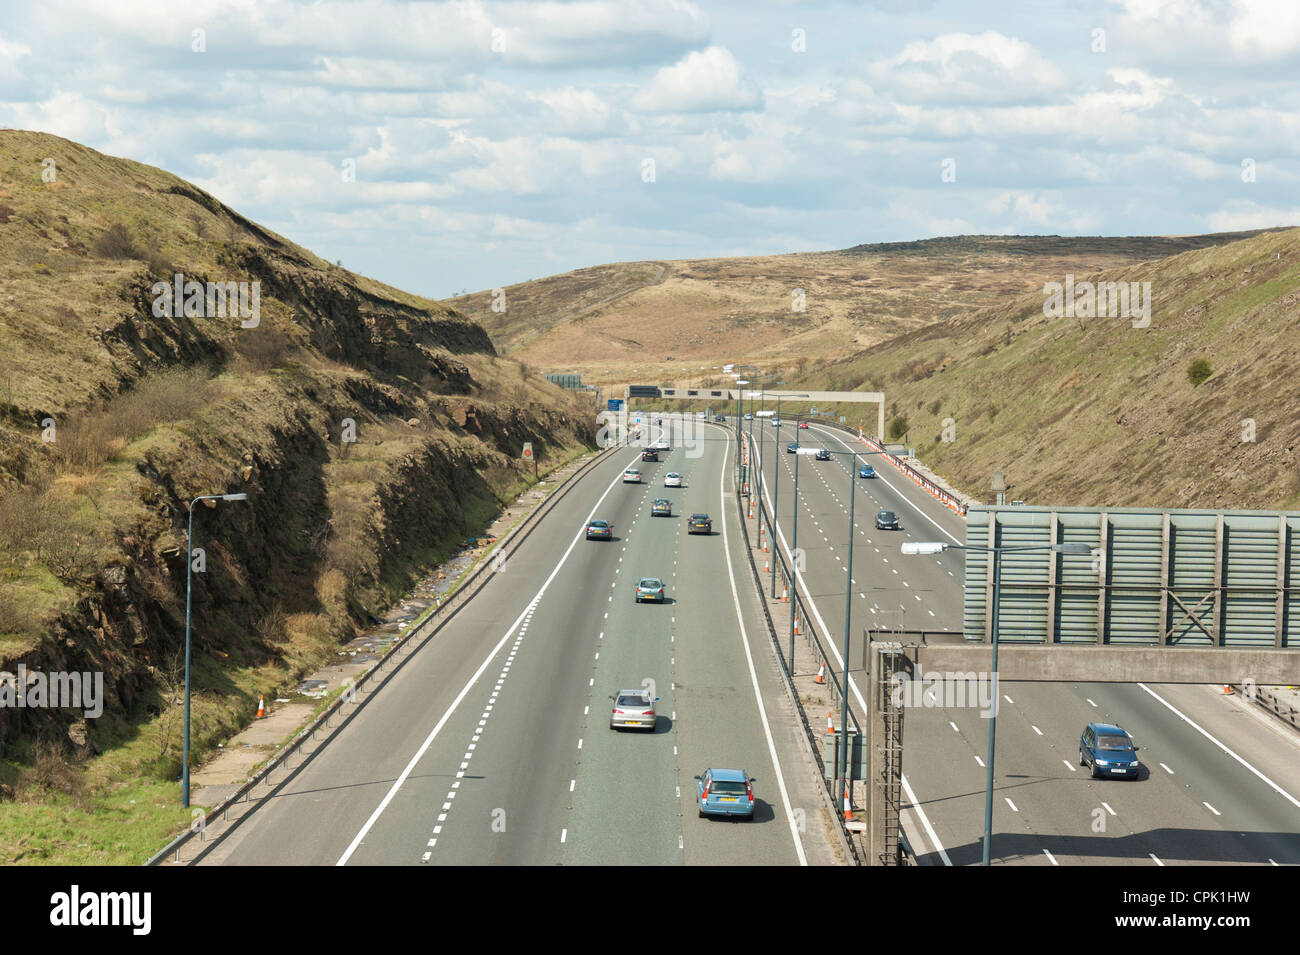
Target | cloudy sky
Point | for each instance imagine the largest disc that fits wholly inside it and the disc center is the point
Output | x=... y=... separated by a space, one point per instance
x=467 y=145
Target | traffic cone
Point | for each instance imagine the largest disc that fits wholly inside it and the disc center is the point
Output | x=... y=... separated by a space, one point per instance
x=796 y=626
x=1227 y=690
x=785 y=595
x=821 y=673
x=848 y=807
x=764 y=545
x=261 y=706
x=767 y=567
x=830 y=725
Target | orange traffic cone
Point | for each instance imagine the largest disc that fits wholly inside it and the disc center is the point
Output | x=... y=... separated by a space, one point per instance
x=767 y=568
x=764 y=545
x=796 y=626
x=785 y=595
x=821 y=673
x=848 y=807
x=1227 y=690
x=830 y=725
x=261 y=706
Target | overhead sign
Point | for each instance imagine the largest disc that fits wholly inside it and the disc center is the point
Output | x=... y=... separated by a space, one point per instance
x=1159 y=578
x=643 y=391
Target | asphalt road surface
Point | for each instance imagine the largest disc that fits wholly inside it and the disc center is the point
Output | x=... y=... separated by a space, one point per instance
x=492 y=744
x=1221 y=780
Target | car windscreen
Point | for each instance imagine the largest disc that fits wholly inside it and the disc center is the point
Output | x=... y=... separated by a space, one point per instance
x=729 y=787
x=650 y=583
x=1114 y=742
x=599 y=524
x=886 y=515
x=633 y=701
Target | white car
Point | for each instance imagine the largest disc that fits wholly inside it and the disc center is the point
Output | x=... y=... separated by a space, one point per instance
x=662 y=445
x=631 y=476
x=671 y=479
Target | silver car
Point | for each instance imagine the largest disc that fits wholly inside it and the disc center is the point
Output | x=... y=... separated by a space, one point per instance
x=650 y=588
x=672 y=479
x=634 y=709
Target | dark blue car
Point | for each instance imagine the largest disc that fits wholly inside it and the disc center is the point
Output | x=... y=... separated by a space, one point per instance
x=1109 y=751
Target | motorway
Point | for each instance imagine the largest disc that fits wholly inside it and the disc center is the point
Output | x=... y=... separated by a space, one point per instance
x=491 y=744
x=1221 y=779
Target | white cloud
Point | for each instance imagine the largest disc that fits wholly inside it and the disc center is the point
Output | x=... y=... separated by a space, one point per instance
x=967 y=68
x=1241 y=214
x=704 y=81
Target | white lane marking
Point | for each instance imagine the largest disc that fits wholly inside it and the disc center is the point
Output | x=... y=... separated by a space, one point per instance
x=433 y=733
x=857 y=694
x=1036 y=729
x=1275 y=787
x=579 y=744
x=753 y=678
x=950 y=723
x=572 y=783
x=905 y=498
x=1155 y=860
x=1211 y=808
x=1008 y=699
x=1011 y=804
x=564 y=834
x=980 y=761
x=1069 y=765
x=1050 y=857
x=925 y=820
x=1167 y=769
x=1106 y=806
x=1090 y=703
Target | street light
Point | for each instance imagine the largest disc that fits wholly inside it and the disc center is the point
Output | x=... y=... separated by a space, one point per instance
x=912 y=548
x=843 y=753
x=776 y=492
x=189 y=566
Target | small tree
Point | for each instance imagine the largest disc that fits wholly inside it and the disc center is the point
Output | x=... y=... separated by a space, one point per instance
x=897 y=427
x=1198 y=371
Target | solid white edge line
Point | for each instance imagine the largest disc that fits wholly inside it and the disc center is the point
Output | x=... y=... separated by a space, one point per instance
x=753 y=674
x=1173 y=709
x=428 y=741
x=812 y=605
x=900 y=493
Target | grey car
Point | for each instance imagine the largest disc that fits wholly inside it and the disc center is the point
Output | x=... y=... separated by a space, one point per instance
x=633 y=709
x=650 y=588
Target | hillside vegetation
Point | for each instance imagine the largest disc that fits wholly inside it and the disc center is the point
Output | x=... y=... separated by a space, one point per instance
x=371 y=429
x=662 y=321
x=1200 y=409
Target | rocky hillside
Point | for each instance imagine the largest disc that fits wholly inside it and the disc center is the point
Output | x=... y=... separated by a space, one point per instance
x=371 y=429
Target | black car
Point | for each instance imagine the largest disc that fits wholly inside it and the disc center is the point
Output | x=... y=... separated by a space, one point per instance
x=662 y=507
x=720 y=419
x=699 y=524
x=649 y=454
x=887 y=521
x=823 y=455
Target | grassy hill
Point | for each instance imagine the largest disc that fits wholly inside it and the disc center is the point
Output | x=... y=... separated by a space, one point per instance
x=1092 y=411
x=371 y=429
x=662 y=321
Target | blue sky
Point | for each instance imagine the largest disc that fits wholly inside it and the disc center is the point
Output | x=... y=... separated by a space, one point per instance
x=496 y=142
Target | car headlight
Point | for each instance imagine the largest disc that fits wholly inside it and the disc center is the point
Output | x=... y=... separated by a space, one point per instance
x=1102 y=762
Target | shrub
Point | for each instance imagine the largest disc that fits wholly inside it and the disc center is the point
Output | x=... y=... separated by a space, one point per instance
x=115 y=243
x=897 y=427
x=1198 y=371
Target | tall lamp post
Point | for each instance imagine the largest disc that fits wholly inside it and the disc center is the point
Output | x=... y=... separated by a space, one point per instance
x=189 y=569
x=935 y=547
x=843 y=755
x=776 y=491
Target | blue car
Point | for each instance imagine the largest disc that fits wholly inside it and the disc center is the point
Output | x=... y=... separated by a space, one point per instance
x=792 y=447
x=1109 y=751
x=725 y=792
x=866 y=471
